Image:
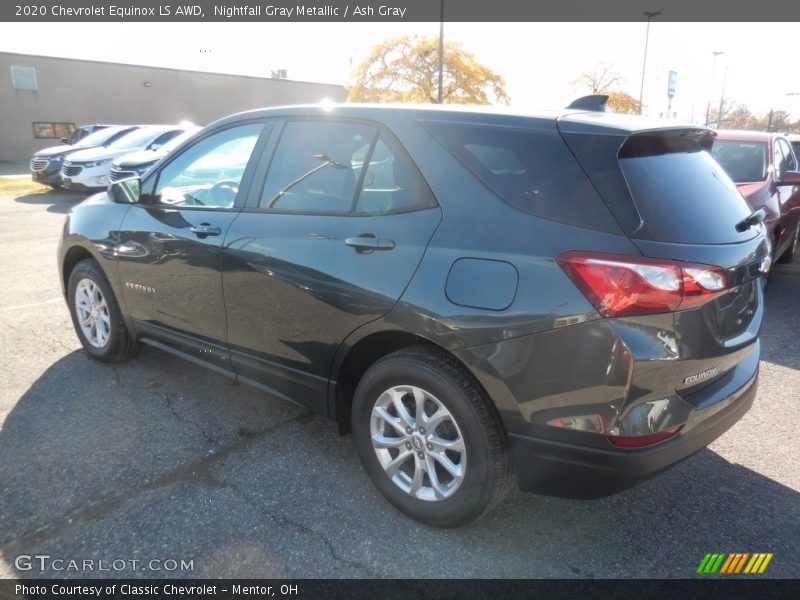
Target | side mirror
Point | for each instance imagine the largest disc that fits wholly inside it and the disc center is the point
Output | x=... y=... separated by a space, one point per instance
x=65 y=140
x=126 y=191
x=155 y=146
x=789 y=178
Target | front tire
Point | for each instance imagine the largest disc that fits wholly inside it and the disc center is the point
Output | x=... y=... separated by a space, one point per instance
x=428 y=438
x=96 y=315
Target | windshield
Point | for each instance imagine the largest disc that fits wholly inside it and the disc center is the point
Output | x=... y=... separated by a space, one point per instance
x=99 y=138
x=137 y=139
x=174 y=142
x=742 y=161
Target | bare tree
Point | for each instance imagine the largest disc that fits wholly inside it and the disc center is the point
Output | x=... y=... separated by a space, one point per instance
x=600 y=78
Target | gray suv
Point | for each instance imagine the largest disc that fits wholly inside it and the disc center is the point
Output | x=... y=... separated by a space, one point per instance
x=570 y=300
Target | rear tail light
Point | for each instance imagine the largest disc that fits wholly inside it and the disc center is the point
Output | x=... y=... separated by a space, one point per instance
x=623 y=286
x=643 y=440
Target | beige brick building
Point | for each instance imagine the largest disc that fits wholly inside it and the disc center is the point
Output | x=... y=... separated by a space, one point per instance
x=54 y=93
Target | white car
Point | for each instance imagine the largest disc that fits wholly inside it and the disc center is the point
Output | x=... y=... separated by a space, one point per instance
x=90 y=169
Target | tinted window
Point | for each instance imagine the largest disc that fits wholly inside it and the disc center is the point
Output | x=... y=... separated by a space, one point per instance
x=318 y=167
x=391 y=183
x=685 y=197
x=742 y=161
x=531 y=170
x=207 y=174
x=796 y=148
x=789 y=163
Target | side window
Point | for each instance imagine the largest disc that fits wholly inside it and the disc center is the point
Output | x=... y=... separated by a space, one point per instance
x=790 y=160
x=532 y=170
x=391 y=183
x=778 y=160
x=316 y=167
x=208 y=173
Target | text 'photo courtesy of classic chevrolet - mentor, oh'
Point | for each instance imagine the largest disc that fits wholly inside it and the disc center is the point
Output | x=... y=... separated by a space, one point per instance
x=567 y=300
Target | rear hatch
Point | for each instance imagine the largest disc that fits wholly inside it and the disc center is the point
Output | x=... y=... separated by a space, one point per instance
x=676 y=203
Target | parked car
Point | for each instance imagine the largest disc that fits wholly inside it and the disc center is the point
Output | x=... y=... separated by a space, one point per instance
x=578 y=295
x=81 y=132
x=90 y=170
x=136 y=163
x=764 y=168
x=46 y=164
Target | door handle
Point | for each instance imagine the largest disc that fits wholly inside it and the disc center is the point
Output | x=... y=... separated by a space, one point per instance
x=205 y=229
x=367 y=242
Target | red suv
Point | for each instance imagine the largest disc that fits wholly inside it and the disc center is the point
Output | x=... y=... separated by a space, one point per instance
x=765 y=169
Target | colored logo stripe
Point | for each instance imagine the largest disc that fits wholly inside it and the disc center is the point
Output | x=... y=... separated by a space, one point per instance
x=734 y=562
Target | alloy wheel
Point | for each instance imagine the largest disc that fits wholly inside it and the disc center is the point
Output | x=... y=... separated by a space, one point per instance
x=418 y=443
x=92 y=311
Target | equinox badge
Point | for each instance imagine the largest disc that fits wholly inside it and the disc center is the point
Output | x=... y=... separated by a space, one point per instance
x=700 y=376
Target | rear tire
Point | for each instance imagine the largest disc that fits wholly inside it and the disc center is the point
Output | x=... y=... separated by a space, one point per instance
x=449 y=474
x=96 y=315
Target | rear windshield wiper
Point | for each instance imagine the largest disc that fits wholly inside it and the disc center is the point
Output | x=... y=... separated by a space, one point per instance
x=746 y=223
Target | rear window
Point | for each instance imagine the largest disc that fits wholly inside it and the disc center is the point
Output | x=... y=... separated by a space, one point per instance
x=742 y=161
x=681 y=192
x=532 y=170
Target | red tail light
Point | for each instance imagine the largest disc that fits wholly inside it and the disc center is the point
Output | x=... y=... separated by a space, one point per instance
x=643 y=440
x=625 y=285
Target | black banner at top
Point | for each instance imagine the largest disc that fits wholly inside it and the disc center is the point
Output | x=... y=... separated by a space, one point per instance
x=396 y=10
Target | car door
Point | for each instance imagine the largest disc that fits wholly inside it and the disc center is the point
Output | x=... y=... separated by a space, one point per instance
x=169 y=245
x=788 y=196
x=327 y=244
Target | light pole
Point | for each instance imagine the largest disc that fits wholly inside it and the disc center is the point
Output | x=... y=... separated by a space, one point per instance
x=441 y=50
x=722 y=98
x=650 y=14
x=716 y=53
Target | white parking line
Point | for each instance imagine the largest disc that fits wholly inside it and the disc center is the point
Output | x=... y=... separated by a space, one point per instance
x=32 y=304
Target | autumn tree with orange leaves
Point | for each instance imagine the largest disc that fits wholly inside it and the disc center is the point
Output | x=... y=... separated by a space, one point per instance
x=406 y=69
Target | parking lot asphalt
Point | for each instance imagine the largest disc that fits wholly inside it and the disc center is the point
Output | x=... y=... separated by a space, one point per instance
x=157 y=458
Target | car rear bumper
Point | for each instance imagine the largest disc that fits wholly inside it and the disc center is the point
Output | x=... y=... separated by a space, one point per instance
x=569 y=470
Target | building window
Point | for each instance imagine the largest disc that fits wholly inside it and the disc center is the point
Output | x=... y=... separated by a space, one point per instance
x=53 y=130
x=24 y=78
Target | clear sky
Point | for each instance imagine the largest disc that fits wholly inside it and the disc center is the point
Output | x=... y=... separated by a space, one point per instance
x=539 y=61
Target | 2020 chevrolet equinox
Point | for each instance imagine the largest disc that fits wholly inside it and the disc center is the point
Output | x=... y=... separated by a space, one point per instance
x=568 y=299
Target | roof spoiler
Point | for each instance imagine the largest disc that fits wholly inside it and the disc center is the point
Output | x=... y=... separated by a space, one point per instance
x=594 y=103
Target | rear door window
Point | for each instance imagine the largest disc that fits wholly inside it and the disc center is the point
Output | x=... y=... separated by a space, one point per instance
x=342 y=168
x=533 y=170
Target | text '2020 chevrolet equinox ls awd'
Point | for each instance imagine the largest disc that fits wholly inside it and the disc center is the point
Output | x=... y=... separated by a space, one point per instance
x=569 y=299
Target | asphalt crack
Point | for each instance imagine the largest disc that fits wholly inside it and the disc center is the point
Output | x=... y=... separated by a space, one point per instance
x=302 y=528
x=209 y=438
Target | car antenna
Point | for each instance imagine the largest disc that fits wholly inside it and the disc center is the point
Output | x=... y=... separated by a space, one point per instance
x=593 y=102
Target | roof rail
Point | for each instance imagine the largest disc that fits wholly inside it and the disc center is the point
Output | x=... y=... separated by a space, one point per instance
x=593 y=102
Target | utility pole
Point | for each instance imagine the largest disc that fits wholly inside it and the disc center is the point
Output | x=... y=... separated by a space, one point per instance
x=716 y=53
x=441 y=50
x=650 y=14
